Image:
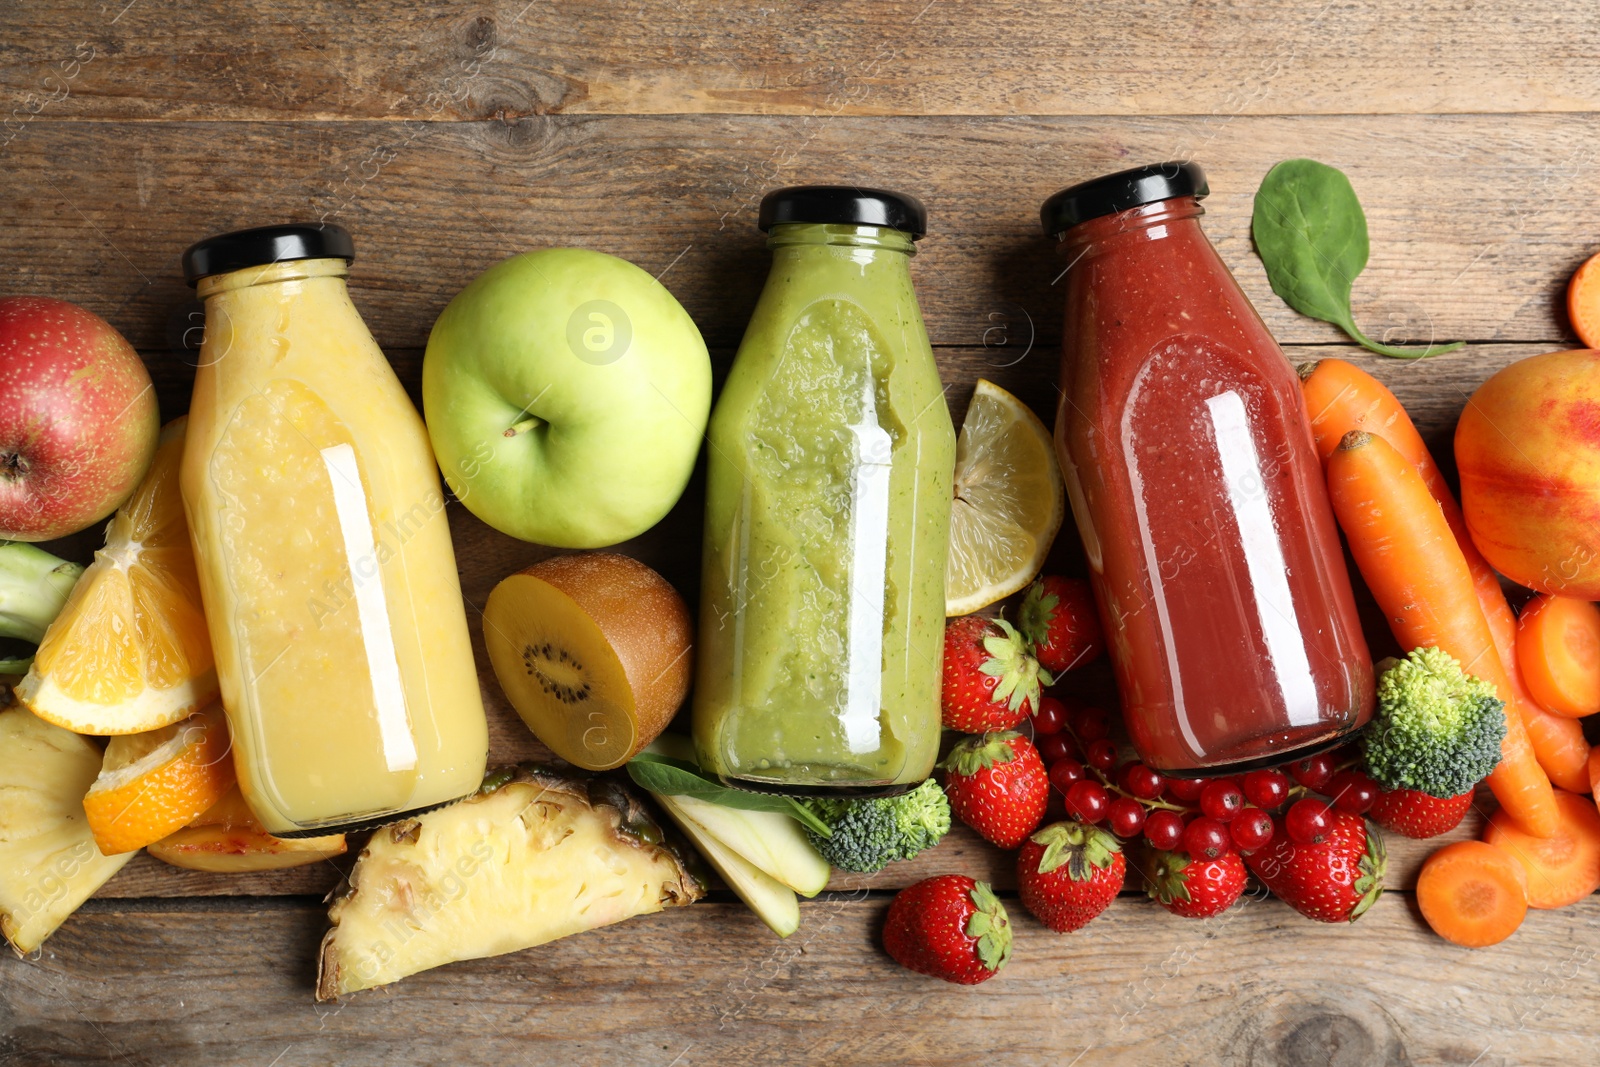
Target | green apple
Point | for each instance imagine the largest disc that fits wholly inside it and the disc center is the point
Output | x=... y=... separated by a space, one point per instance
x=566 y=393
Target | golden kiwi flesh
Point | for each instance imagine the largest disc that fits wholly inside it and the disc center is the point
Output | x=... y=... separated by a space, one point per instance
x=594 y=650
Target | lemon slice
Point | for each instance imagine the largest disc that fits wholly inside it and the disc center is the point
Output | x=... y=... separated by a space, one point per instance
x=153 y=784
x=129 y=652
x=1008 y=501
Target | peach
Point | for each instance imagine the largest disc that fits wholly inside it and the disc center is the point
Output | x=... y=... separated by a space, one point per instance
x=1528 y=448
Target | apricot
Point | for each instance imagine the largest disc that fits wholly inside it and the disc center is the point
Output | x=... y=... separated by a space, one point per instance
x=1528 y=449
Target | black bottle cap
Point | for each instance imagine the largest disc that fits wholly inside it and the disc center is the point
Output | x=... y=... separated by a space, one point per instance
x=845 y=204
x=263 y=245
x=1125 y=189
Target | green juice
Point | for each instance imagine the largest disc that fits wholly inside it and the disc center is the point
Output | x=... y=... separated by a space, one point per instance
x=827 y=526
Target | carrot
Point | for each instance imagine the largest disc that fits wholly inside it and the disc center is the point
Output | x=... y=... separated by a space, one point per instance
x=1559 y=746
x=1583 y=302
x=1558 y=648
x=1562 y=869
x=1472 y=894
x=1594 y=772
x=1341 y=397
x=1418 y=576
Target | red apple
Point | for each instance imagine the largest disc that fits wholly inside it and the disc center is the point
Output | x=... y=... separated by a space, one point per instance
x=78 y=418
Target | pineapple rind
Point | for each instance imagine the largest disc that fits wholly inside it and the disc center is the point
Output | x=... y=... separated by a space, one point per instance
x=49 y=863
x=539 y=857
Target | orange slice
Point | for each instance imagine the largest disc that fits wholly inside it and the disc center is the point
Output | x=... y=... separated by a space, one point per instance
x=153 y=784
x=227 y=839
x=129 y=653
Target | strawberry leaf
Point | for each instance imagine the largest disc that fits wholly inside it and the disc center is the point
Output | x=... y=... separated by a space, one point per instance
x=1019 y=673
x=976 y=754
x=1037 y=612
x=1369 y=877
x=1082 y=848
x=1167 y=883
x=991 y=927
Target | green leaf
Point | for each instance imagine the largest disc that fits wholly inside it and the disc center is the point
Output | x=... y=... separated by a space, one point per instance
x=990 y=926
x=974 y=754
x=656 y=773
x=1037 y=611
x=1311 y=235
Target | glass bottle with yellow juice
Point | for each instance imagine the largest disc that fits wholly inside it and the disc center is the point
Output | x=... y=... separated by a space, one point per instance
x=322 y=545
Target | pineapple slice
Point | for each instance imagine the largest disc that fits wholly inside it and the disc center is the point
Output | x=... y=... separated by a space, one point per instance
x=49 y=863
x=535 y=856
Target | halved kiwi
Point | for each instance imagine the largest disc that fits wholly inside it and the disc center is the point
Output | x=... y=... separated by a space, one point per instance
x=594 y=651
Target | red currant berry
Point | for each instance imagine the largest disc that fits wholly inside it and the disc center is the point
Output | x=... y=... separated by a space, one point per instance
x=1101 y=754
x=1053 y=747
x=1125 y=817
x=1142 y=782
x=1250 y=829
x=1353 y=791
x=1063 y=772
x=1186 y=790
x=1087 y=801
x=1163 y=829
x=1266 y=789
x=1313 y=772
x=1206 y=838
x=1090 y=724
x=1308 y=821
x=1049 y=717
x=1221 y=799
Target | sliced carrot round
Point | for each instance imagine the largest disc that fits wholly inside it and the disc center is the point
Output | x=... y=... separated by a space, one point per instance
x=1472 y=894
x=1583 y=302
x=1560 y=870
x=1558 y=649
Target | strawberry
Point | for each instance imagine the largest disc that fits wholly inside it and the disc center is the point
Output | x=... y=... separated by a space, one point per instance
x=1414 y=814
x=1195 y=889
x=949 y=927
x=1068 y=873
x=991 y=681
x=1058 y=619
x=997 y=785
x=1333 y=881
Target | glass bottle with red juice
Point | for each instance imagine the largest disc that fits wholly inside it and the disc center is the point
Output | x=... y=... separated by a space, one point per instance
x=1197 y=490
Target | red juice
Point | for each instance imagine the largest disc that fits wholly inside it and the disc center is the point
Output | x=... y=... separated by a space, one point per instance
x=1197 y=489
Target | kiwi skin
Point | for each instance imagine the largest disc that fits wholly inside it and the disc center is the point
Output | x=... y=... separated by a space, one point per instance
x=644 y=619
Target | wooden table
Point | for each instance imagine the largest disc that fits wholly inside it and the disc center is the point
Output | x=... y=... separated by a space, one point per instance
x=448 y=136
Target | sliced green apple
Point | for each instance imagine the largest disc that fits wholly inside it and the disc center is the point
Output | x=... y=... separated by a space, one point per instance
x=771 y=900
x=767 y=840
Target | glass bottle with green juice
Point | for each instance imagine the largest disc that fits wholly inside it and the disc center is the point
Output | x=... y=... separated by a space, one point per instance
x=827 y=513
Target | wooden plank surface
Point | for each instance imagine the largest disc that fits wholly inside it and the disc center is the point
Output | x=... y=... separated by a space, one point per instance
x=318 y=60
x=710 y=985
x=1476 y=221
x=447 y=137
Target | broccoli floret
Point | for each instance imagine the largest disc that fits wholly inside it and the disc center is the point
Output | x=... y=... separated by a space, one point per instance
x=872 y=832
x=1437 y=729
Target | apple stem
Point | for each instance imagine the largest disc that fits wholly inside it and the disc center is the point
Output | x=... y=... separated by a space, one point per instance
x=525 y=425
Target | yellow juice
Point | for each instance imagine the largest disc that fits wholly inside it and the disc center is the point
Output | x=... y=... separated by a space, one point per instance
x=325 y=562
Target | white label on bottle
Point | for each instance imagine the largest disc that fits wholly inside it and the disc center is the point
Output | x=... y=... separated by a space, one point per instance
x=1263 y=556
x=361 y=552
x=869 y=561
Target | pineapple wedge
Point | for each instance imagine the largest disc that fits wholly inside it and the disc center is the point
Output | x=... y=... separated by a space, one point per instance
x=536 y=855
x=49 y=863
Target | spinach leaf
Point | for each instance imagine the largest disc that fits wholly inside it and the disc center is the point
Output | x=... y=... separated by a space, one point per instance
x=1311 y=234
x=656 y=773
